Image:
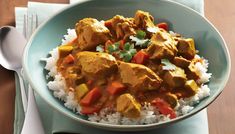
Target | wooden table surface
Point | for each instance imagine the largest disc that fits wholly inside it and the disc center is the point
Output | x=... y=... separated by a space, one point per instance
x=220 y=112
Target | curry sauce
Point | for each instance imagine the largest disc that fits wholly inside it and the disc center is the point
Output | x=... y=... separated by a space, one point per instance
x=124 y=63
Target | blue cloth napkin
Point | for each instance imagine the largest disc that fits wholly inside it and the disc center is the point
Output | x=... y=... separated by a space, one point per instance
x=55 y=122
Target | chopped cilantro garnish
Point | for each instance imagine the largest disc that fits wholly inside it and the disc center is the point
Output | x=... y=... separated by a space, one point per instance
x=140 y=34
x=145 y=44
x=152 y=29
x=128 y=46
x=100 y=48
x=167 y=65
x=128 y=52
x=139 y=39
x=132 y=51
x=140 y=42
x=114 y=47
x=126 y=55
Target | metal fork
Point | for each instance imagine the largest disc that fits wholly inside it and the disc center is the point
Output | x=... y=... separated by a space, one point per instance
x=26 y=33
x=32 y=122
x=28 y=22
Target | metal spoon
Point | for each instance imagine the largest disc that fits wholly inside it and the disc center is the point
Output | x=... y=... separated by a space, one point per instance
x=11 y=50
x=12 y=45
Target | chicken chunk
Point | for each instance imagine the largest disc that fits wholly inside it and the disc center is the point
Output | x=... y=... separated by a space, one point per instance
x=171 y=99
x=95 y=64
x=175 y=78
x=139 y=76
x=72 y=76
x=91 y=33
x=181 y=62
x=128 y=106
x=122 y=27
x=192 y=72
x=186 y=48
x=143 y=19
x=124 y=31
x=162 y=45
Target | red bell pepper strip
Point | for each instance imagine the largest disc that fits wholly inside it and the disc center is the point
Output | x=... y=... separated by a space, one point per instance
x=91 y=97
x=122 y=43
x=140 y=57
x=89 y=82
x=164 y=107
x=108 y=23
x=163 y=25
x=69 y=59
x=115 y=88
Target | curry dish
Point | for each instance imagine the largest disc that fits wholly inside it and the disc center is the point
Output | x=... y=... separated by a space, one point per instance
x=124 y=63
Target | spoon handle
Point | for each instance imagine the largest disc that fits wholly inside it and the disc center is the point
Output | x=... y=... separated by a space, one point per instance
x=32 y=122
x=22 y=90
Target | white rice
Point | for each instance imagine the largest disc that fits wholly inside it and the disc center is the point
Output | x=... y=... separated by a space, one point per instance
x=148 y=113
x=71 y=34
x=58 y=87
x=202 y=68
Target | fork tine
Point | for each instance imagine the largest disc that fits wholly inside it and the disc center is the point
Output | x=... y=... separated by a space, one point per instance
x=24 y=26
x=31 y=24
x=36 y=21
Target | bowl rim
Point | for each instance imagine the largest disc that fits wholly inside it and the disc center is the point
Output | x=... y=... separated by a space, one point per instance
x=124 y=127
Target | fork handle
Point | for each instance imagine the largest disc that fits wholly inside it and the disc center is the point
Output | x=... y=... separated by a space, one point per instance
x=32 y=122
x=22 y=91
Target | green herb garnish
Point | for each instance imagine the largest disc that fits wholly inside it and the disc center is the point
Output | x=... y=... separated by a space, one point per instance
x=114 y=47
x=139 y=39
x=140 y=42
x=145 y=43
x=128 y=52
x=167 y=65
x=100 y=48
x=128 y=46
x=140 y=34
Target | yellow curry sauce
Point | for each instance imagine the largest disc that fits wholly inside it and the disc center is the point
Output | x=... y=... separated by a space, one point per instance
x=123 y=63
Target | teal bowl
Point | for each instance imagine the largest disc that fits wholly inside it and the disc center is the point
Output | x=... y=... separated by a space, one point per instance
x=181 y=19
